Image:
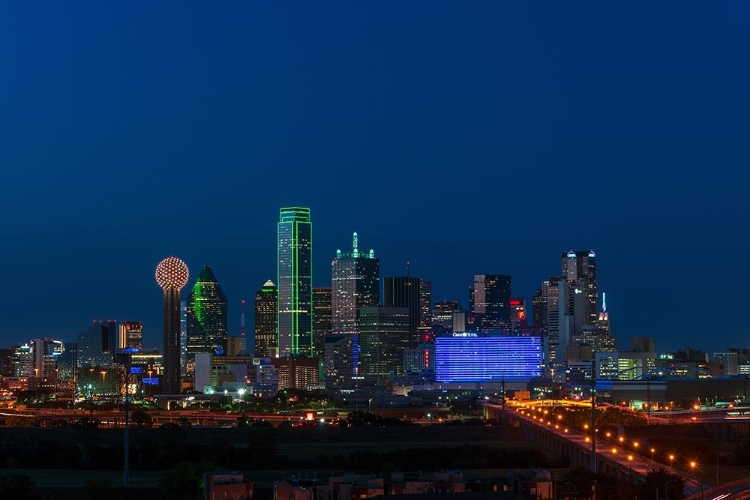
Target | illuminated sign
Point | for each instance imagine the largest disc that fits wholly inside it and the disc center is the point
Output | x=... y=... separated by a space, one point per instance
x=136 y=370
x=465 y=334
x=515 y=302
x=150 y=380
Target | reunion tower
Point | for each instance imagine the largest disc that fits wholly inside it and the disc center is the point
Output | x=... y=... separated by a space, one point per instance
x=171 y=275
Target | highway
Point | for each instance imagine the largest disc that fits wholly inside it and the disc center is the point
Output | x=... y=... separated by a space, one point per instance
x=635 y=464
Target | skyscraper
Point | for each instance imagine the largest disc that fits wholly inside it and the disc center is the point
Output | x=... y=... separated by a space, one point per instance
x=355 y=283
x=171 y=275
x=295 y=325
x=322 y=318
x=266 y=321
x=580 y=267
x=425 y=312
x=492 y=301
x=404 y=291
x=384 y=338
x=207 y=316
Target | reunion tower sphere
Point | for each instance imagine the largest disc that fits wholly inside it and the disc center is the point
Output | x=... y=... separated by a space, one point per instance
x=172 y=273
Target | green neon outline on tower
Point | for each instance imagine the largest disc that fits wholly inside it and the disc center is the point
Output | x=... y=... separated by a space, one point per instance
x=294 y=282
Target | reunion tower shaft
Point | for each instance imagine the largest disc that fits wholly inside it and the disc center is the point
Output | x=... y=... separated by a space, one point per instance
x=172 y=275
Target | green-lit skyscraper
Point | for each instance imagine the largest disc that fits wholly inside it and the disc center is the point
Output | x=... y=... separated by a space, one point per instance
x=295 y=282
x=206 y=316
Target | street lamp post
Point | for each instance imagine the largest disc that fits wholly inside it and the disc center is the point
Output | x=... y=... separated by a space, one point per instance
x=671 y=461
x=717 y=466
x=692 y=468
x=666 y=486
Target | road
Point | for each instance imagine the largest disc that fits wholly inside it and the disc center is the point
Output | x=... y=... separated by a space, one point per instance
x=626 y=459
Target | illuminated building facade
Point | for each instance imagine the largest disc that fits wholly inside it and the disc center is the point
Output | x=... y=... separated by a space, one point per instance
x=130 y=335
x=93 y=344
x=425 y=312
x=579 y=268
x=23 y=360
x=206 y=316
x=420 y=359
x=518 y=321
x=322 y=318
x=492 y=301
x=294 y=250
x=266 y=321
x=355 y=283
x=478 y=357
x=442 y=316
x=171 y=275
x=297 y=372
x=338 y=360
x=385 y=334
x=46 y=353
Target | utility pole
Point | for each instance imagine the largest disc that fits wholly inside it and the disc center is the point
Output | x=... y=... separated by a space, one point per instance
x=593 y=424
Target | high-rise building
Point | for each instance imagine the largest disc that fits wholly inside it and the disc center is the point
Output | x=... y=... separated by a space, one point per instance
x=23 y=360
x=384 y=337
x=539 y=311
x=338 y=360
x=295 y=315
x=518 y=321
x=6 y=362
x=266 y=321
x=425 y=312
x=404 y=291
x=171 y=275
x=46 y=352
x=243 y=337
x=130 y=335
x=492 y=301
x=206 y=315
x=355 y=283
x=580 y=267
x=322 y=318
x=442 y=316
x=93 y=344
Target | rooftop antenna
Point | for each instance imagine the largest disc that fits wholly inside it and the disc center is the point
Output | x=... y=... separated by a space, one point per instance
x=408 y=268
x=242 y=319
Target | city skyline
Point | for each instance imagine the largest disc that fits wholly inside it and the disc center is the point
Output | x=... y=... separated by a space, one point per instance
x=480 y=139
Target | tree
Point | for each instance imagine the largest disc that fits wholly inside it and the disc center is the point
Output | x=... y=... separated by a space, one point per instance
x=658 y=479
x=141 y=418
x=17 y=487
x=181 y=483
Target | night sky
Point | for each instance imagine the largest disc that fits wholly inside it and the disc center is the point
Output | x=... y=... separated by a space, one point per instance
x=465 y=137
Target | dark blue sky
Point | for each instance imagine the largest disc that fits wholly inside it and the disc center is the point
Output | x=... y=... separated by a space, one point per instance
x=485 y=137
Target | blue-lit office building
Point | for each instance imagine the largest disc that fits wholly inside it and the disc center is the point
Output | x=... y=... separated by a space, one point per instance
x=479 y=358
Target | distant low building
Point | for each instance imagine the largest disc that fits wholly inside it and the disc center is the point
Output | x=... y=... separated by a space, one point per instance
x=227 y=486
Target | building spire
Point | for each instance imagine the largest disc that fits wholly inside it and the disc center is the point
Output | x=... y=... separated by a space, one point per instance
x=604 y=302
x=354 y=241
